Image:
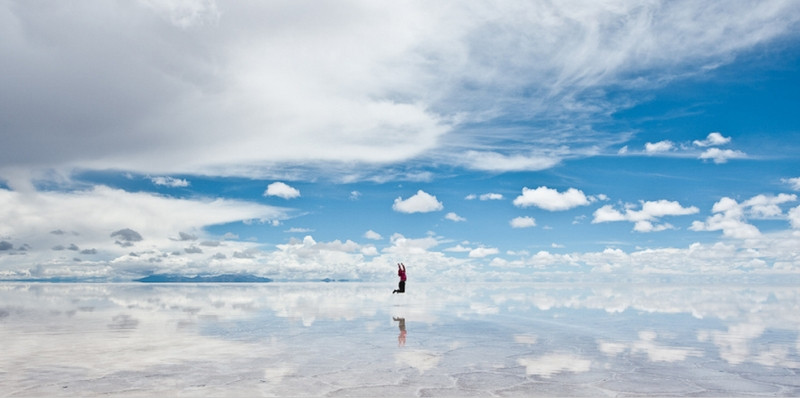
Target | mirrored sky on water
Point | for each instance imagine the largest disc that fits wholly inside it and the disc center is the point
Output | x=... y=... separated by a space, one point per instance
x=346 y=339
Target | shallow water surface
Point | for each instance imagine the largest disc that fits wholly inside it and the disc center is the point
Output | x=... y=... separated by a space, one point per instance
x=357 y=339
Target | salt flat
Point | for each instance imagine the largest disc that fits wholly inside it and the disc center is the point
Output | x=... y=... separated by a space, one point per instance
x=358 y=339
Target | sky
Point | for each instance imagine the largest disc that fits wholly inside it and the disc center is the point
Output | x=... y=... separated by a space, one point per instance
x=474 y=142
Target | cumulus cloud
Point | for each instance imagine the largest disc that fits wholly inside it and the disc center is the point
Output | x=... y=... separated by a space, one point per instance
x=713 y=139
x=421 y=202
x=794 y=217
x=281 y=190
x=658 y=147
x=372 y=235
x=454 y=217
x=720 y=156
x=767 y=206
x=731 y=217
x=550 y=199
x=522 y=222
x=458 y=248
x=711 y=142
x=403 y=245
x=793 y=182
x=650 y=212
x=481 y=252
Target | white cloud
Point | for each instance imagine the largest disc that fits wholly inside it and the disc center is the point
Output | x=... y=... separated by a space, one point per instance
x=765 y=207
x=731 y=217
x=421 y=202
x=372 y=235
x=106 y=210
x=522 y=222
x=141 y=223
x=454 y=217
x=491 y=196
x=647 y=226
x=658 y=147
x=650 y=212
x=728 y=218
x=720 y=156
x=550 y=199
x=549 y=365
x=355 y=195
x=458 y=249
x=401 y=244
x=485 y=196
x=794 y=217
x=296 y=230
x=298 y=100
x=494 y=161
x=481 y=252
x=170 y=181
x=370 y=251
x=793 y=182
x=647 y=345
x=623 y=150
x=713 y=139
x=281 y=190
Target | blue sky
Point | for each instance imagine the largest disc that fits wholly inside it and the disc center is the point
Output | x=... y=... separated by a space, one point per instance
x=477 y=142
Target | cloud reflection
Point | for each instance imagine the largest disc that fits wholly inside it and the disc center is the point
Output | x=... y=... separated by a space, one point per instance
x=551 y=364
x=274 y=338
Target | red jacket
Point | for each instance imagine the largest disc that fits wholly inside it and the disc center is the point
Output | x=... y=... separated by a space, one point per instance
x=402 y=274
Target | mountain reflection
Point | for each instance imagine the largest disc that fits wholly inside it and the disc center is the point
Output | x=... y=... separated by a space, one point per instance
x=58 y=334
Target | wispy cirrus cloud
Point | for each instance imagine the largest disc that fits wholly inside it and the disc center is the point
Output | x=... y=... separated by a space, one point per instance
x=463 y=66
x=170 y=181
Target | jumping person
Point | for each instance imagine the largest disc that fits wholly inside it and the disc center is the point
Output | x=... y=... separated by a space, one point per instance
x=401 y=272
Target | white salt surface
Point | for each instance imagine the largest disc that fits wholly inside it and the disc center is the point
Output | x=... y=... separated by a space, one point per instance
x=355 y=339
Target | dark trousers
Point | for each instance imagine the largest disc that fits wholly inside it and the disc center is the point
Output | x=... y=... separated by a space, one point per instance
x=402 y=288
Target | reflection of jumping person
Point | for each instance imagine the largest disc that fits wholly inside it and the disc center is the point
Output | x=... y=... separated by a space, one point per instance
x=401 y=272
x=401 y=338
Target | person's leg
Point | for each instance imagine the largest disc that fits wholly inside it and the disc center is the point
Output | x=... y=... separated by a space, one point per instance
x=402 y=287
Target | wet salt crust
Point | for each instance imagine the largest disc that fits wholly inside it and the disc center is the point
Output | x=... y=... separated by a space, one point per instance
x=356 y=339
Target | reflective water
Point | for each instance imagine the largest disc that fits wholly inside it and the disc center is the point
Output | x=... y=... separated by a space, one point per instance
x=354 y=339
